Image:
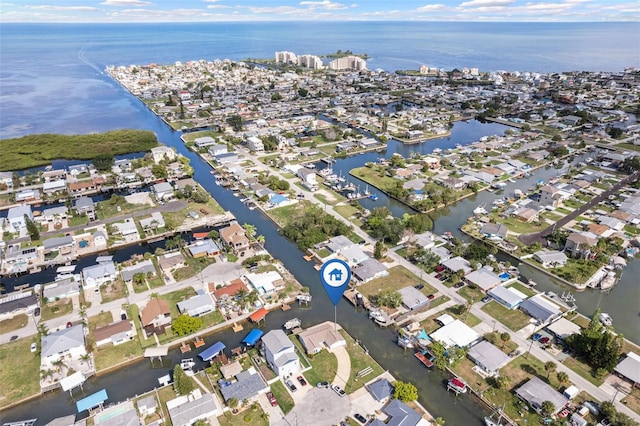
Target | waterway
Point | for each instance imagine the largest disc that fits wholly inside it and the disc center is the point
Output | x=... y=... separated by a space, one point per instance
x=380 y=342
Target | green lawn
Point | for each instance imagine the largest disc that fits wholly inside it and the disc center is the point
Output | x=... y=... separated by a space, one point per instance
x=211 y=319
x=194 y=267
x=359 y=361
x=582 y=370
x=110 y=355
x=14 y=323
x=471 y=294
x=524 y=289
x=375 y=177
x=19 y=374
x=177 y=296
x=285 y=401
x=283 y=215
x=253 y=415
x=52 y=310
x=512 y=318
x=325 y=366
x=113 y=291
x=399 y=277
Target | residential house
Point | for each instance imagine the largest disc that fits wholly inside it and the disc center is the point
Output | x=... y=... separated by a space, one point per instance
x=412 y=298
x=97 y=275
x=279 y=351
x=496 y=231
x=204 y=142
x=255 y=144
x=85 y=205
x=15 y=303
x=160 y=153
x=534 y=392
x=541 y=309
x=115 y=333
x=456 y=264
x=6 y=180
x=229 y=290
x=196 y=306
x=454 y=183
x=629 y=369
x=228 y=158
x=16 y=217
x=563 y=328
x=163 y=191
x=171 y=261
x=27 y=195
x=61 y=289
x=145 y=267
x=54 y=186
x=62 y=245
x=265 y=282
x=488 y=357
x=400 y=414
x=579 y=244
x=154 y=222
x=66 y=342
x=507 y=296
x=527 y=215
x=204 y=248
x=308 y=178
x=381 y=390
x=215 y=150
x=456 y=333
x=156 y=316
x=147 y=405
x=188 y=409
x=483 y=278
x=246 y=387
x=550 y=258
x=319 y=337
x=234 y=237
x=369 y=269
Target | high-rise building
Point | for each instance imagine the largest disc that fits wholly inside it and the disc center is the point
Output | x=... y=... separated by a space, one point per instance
x=310 y=61
x=348 y=63
x=286 y=57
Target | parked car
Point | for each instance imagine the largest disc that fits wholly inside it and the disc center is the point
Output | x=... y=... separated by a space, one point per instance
x=544 y=340
x=290 y=385
x=12 y=338
x=337 y=389
x=359 y=417
x=34 y=347
x=323 y=385
x=420 y=286
x=36 y=311
x=272 y=399
x=302 y=381
x=460 y=284
x=486 y=299
x=69 y=324
x=431 y=296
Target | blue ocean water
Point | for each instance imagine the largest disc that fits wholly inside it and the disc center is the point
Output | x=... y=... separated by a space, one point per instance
x=51 y=74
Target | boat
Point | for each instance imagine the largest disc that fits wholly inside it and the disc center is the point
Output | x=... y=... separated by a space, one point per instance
x=187 y=364
x=405 y=342
x=489 y=421
x=373 y=197
x=423 y=359
x=480 y=210
x=378 y=316
x=457 y=385
x=605 y=319
x=292 y=323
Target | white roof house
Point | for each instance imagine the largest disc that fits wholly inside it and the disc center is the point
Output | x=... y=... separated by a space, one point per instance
x=280 y=353
x=196 y=305
x=483 y=278
x=488 y=357
x=96 y=275
x=60 y=343
x=456 y=333
x=629 y=368
x=265 y=282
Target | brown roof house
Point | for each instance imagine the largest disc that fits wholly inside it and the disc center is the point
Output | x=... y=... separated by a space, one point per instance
x=115 y=333
x=234 y=237
x=156 y=316
x=579 y=244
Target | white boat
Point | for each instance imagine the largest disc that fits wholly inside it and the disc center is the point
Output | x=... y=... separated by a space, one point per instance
x=187 y=364
x=405 y=342
x=457 y=385
x=292 y=323
x=605 y=319
x=378 y=316
x=479 y=210
x=489 y=421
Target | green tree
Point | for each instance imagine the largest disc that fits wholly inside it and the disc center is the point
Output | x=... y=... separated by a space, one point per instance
x=159 y=171
x=563 y=377
x=547 y=408
x=378 y=250
x=440 y=421
x=505 y=337
x=389 y=298
x=182 y=384
x=550 y=367
x=32 y=228
x=233 y=403
x=186 y=324
x=503 y=382
x=103 y=162
x=440 y=359
x=405 y=391
x=236 y=122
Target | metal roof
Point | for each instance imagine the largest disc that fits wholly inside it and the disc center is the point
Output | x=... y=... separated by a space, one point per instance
x=253 y=337
x=92 y=400
x=213 y=350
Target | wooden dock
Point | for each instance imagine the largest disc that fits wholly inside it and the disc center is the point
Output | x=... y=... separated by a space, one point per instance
x=198 y=341
x=185 y=347
x=237 y=327
x=357 y=299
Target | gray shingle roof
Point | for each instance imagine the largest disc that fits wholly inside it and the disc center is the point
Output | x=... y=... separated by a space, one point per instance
x=63 y=340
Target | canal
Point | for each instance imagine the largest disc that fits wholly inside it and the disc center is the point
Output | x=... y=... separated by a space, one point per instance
x=380 y=342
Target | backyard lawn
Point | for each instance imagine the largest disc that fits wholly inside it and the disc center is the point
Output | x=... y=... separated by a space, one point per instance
x=113 y=291
x=19 y=374
x=399 y=277
x=359 y=362
x=14 y=323
x=325 y=366
x=109 y=355
x=52 y=310
x=512 y=318
x=285 y=401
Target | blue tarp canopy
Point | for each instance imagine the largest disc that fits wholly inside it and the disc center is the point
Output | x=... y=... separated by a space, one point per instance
x=92 y=400
x=423 y=335
x=209 y=353
x=253 y=337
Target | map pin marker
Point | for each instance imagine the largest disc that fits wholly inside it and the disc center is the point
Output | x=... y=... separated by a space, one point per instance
x=335 y=275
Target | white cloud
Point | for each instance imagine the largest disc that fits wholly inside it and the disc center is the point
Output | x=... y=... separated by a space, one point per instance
x=53 y=7
x=127 y=3
x=325 y=4
x=218 y=6
x=486 y=3
x=432 y=7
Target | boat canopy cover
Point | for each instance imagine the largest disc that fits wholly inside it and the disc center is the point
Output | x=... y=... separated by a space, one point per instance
x=258 y=315
x=212 y=351
x=423 y=335
x=92 y=400
x=253 y=337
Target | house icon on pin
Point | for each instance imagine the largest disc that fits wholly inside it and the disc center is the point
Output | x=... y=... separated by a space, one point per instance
x=335 y=275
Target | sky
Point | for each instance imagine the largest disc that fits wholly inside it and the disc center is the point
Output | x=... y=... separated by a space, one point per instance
x=111 y=11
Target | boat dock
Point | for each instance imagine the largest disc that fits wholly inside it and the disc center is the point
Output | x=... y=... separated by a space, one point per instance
x=423 y=359
x=357 y=299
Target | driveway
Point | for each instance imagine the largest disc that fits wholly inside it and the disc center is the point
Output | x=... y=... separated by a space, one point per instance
x=318 y=407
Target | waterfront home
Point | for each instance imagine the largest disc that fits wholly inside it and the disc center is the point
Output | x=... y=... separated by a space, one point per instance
x=18 y=259
x=127 y=229
x=381 y=390
x=85 y=205
x=563 y=328
x=579 y=244
x=534 y=392
x=456 y=333
x=154 y=222
x=217 y=149
x=255 y=144
x=188 y=409
x=338 y=243
x=59 y=344
x=204 y=142
x=494 y=231
x=61 y=289
x=234 y=237
x=369 y=269
x=115 y=333
x=228 y=158
x=319 y=337
x=526 y=214
x=54 y=186
x=629 y=369
x=308 y=178
x=97 y=275
x=196 y=306
x=15 y=303
x=541 y=309
x=145 y=268
x=162 y=153
x=77 y=169
x=279 y=351
x=6 y=180
x=62 y=245
x=247 y=386
x=171 y=261
x=230 y=290
x=507 y=296
x=412 y=298
x=77 y=189
x=53 y=214
x=483 y=278
x=456 y=264
x=155 y=316
x=265 y=282
x=400 y=413
x=27 y=195
x=163 y=191
x=16 y=217
x=454 y=183
x=147 y=405
x=488 y=357
x=550 y=258
x=204 y=248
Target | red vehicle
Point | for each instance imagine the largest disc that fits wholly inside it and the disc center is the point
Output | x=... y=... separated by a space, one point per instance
x=439 y=268
x=272 y=399
x=302 y=381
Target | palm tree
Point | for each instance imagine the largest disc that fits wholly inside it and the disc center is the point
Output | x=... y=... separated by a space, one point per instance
x=252 y=297
x=505 y=337
x=563 y=377
x=550 y=367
